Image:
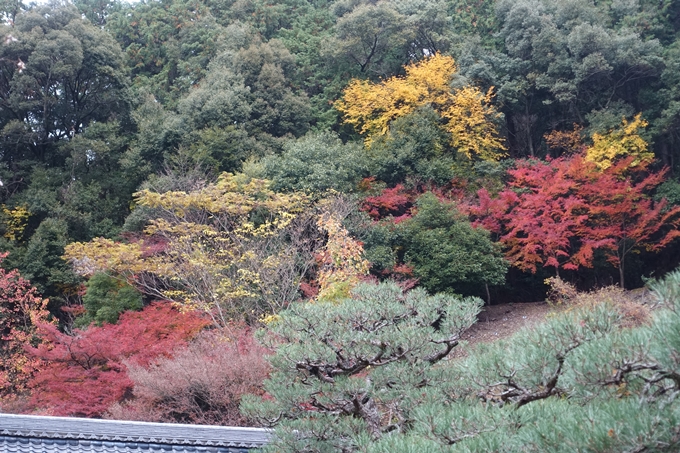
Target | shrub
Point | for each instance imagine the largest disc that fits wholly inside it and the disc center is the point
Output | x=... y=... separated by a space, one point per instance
x=201 y=383
x=560 y=291
x=447 y=253
x=317 y=162
x=106 y=298
x=82 y=374
x=633 y=308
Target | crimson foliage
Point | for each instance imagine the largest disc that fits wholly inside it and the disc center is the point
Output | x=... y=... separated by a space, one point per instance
x=84 y=373
x=557 y=213
x=396 y=202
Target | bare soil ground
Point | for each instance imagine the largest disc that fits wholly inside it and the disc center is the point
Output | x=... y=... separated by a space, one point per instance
x=500 y=321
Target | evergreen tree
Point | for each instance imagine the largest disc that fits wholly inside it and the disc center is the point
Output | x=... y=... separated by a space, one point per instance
x=354 y=370
x=359 y=377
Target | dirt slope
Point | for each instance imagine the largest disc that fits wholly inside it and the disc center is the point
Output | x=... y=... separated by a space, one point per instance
x=500 y=321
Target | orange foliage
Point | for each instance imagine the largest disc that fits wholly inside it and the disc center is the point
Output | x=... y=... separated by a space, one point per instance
x=565 y=141
x=84 y=373
x=20 y=310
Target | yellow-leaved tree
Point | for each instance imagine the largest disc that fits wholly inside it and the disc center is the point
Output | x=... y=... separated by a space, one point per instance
x=15 y=221
x=618 y=143
x=342 y=262
x=467 y=112
x=235 y=249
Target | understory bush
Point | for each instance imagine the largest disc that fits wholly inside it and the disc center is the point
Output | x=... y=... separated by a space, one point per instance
x=447 y=253
x=202 y=383
x=106 y=298
x=83 y=373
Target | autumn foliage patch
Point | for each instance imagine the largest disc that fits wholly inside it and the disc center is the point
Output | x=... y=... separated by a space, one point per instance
x=84 y=373
x=201 y=383
x=21 y=309
x=558 y=213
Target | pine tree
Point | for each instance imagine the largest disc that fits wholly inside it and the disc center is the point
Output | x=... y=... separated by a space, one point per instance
x=356 y=368
x=364 y=376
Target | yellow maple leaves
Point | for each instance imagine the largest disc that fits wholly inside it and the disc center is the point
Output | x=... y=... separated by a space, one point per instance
x=15 y=222
x=470 y=127
x=621 y=142
x=342 y=261
x=467 y=112
x=209 y=249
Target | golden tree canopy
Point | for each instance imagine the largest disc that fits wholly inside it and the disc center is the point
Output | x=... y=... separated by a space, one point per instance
x=220 y=249
x=620 y=142
x=467 y=112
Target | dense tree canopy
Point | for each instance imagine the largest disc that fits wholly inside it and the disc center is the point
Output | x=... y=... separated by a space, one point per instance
x=345 y=173
x=60 y=73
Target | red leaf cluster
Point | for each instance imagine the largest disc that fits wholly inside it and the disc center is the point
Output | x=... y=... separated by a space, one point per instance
x=395 y=202
x=557 y=213
x=84 y=373
x=309 y=289
x=20 y=310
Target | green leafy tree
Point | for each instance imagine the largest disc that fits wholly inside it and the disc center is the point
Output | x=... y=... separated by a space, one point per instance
x=65 y=124
x=60 y=74
x=88 y=196
x=430 y=25
x=10 y=8
x=317 y=162
x=372 y=37
x=320 y=75
x=42 y=262
x=267 y=18
x=446 y=252
x=168 y=44
x=243 y=107
x=666 y=99
x=106 y=298
x=415 y=148
x=97 y=11
x=559 y=62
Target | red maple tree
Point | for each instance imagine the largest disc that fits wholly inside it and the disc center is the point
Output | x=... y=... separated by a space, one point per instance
x=557 y=213
x=20 y=310
x=84 y=373
x=622 y=217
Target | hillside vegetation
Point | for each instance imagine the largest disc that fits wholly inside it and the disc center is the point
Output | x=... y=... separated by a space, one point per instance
x=309 y=201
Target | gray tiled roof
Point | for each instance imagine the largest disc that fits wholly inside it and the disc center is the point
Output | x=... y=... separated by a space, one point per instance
x=28 y=434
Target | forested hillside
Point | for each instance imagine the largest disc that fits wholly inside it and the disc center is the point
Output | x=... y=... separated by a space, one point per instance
x=176 y=174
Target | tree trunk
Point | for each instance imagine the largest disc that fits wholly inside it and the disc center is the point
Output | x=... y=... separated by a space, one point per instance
x=529 y=123
x=365 y=408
